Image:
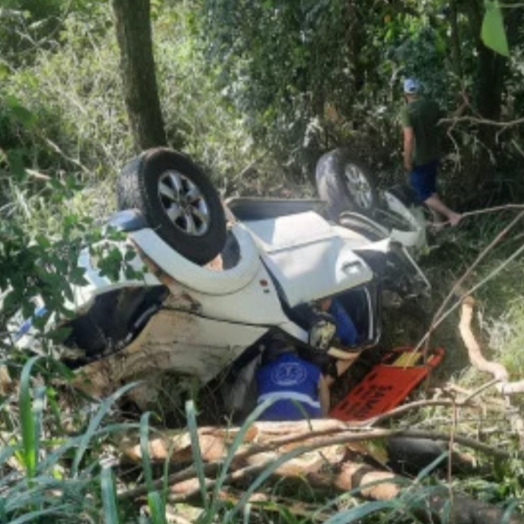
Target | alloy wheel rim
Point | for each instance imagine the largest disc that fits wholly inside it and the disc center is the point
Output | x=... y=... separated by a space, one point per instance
x=183 y=203
x=358 y=186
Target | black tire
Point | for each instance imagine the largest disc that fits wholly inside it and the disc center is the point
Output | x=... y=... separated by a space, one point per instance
x=345 y=184
x=411 y=455
x=198 y=234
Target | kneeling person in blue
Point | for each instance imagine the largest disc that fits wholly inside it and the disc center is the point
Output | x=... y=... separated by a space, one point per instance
x=299 y=386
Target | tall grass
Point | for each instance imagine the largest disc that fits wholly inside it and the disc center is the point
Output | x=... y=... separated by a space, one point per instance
x=66 y=477
x=49 y=476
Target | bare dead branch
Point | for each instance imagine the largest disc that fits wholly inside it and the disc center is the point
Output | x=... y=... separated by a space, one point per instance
x=494 y=368
x=498 y=371
x=481 y=121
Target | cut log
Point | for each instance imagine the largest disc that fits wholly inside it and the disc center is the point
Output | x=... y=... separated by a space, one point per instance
x=326 y=454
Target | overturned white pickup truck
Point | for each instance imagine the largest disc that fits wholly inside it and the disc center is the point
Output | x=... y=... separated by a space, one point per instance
x=212 y=286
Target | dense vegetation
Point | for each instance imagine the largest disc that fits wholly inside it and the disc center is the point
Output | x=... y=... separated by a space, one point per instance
x=255 y=91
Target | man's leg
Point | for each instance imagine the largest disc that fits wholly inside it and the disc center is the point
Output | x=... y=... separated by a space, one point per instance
x=438 y=220
x=435 y=204
x=341 y=366
x=423 y=180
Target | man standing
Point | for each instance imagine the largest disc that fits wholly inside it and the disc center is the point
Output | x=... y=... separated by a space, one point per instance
x=421 y=149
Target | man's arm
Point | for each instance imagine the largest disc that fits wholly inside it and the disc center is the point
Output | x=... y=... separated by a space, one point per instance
x=346 y=330
x=409 y=142
x=323 y=396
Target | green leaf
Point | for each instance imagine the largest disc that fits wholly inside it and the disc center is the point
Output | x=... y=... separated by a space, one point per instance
x=493 y=33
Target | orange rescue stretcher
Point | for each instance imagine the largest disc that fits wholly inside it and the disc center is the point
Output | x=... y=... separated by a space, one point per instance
x=387 y=385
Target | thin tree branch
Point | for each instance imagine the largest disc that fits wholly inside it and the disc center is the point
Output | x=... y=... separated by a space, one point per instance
x=482 y=121
x=491 y=275
x=465 y=275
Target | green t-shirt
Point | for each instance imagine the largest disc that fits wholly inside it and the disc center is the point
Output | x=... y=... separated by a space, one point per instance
x=422 y=115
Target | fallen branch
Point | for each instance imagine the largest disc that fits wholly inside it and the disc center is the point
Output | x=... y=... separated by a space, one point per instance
x=499 y=372
x=496 y=369
x=476 y=358
x=214 y=447
x=339 y=467
x=265 y=437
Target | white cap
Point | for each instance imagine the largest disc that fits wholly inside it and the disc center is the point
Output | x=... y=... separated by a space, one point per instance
x=411 y=86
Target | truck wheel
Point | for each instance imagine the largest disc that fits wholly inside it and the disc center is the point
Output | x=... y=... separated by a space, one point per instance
x=345 y=184
x=177 y=200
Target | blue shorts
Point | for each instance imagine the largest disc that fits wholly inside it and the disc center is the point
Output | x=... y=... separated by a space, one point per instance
x=423 y=180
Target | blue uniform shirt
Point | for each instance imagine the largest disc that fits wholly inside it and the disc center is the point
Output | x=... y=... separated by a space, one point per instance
x=346 y=331
x=292 y=378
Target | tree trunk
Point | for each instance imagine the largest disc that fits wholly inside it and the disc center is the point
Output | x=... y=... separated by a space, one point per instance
x=456 y=54
x=491 y=69
x=133 y=28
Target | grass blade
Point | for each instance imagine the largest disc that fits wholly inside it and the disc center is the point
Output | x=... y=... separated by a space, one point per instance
x=35 y=516
x=358 y=513
x=93 y=425
x=196 y=451
x=428 y=469
x=47 y=493
x=286 y=457
x=144 y=448
x=156 y=508
x=357 y=491
x=237 y=442
x=109 y=497
x=38 y=409
x=510 y=509
x=73 y=442
x=27 y=420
